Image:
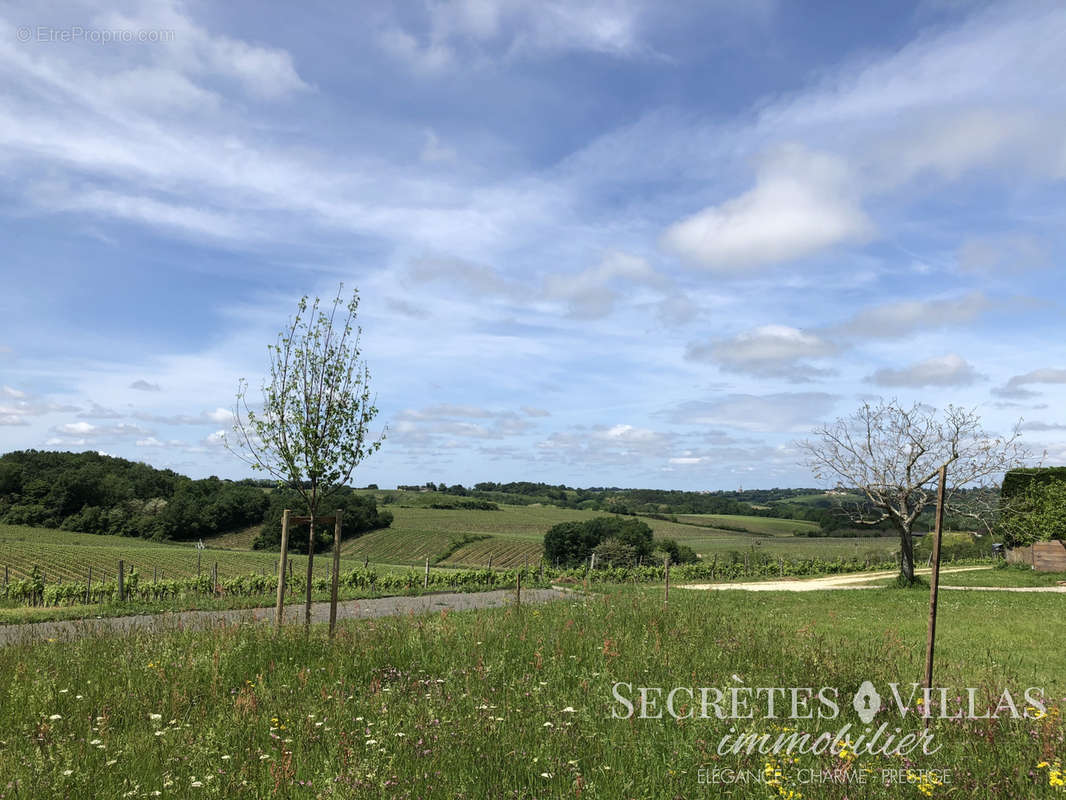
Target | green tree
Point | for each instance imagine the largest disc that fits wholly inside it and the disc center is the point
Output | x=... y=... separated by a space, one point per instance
x=1039 y=515
x=314 y=427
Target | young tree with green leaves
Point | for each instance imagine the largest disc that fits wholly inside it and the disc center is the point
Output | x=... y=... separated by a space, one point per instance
x=314 y=426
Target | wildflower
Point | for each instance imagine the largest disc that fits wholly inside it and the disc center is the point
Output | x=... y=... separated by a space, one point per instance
x=225 y=758
x=68 y=772
x=545 y=775
x=95 y=742
x=569 y=710
x=196 y=784
x=548 y=725
x=54 y=717
x=155 y=717
x=371 y=741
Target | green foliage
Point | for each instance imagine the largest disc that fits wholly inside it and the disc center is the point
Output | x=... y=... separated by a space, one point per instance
x=1037 y=511
x=571 y=543
x=613 y=552
x=679 y=554
x=361 y=514
x=317 y=408
x=91 y=493
x=1017 y=481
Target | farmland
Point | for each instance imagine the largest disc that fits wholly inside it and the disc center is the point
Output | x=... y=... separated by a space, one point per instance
x=67 y=556
x=517 y=702
x=510 y=536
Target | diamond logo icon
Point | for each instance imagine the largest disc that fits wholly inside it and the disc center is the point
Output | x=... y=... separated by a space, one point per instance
x=867 y=702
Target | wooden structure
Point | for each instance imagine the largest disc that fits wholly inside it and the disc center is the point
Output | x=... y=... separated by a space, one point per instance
x=1041 y=556
x=287 y=518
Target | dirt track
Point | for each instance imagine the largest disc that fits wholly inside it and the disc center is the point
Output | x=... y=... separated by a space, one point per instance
x=858 y=580
x=192 y=620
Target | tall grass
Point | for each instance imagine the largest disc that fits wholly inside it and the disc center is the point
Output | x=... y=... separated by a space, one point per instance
x=514 y=702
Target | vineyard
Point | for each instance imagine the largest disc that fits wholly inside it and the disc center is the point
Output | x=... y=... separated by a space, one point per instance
x=497 y=550
x=764 y=526
x=65 y=556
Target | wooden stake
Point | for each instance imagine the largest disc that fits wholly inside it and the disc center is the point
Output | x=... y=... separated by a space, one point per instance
x=310 y=572
x=122 y=581
x=281 y=568
x=425 y=579
x=336 y=572
x=934 y=585
x=214 y=578
x=518 y=589
x=89 y=585
x=666 y=574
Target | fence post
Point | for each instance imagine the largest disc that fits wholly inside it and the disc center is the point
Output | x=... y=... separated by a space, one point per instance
x=335 y=578
x=518 y=589
x=281 y=569
x=366 y=561
x=782 y=567
x=745 y=565
x=666 y=574
x=89 y=586
x=214 y=579
x=425 y=579
x=122 y=581
x=5 y=574
x=490 y=561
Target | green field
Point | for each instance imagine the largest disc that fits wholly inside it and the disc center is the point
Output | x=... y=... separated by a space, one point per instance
x=518 y=702
x=764 y=526
x=515 y=534
x=68 y=556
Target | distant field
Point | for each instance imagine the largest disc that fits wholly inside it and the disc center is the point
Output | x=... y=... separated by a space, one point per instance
x=766 y=526
x=66 y=555
x=418 y=532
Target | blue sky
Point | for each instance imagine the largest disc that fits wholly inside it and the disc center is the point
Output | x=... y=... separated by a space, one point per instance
x=613 y=243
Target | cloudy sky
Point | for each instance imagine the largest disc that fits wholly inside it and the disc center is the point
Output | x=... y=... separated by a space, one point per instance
x=606 y=243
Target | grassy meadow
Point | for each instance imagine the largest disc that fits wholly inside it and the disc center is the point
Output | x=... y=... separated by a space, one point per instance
x=517 y=702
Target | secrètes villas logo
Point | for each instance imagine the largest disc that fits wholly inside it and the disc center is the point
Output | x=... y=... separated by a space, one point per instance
x=823 y=705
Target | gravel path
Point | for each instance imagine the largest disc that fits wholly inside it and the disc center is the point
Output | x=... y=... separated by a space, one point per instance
x=349 y=609
x=855 y=580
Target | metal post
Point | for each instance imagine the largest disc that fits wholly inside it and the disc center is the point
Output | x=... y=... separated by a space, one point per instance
x=281 y=568
x=336 y=571
x=934 y=585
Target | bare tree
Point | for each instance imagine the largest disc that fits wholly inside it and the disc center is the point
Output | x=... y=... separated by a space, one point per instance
x=313 y=430
x=892 y=455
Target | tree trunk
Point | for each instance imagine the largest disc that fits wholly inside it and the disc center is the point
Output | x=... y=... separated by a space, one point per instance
x=310 y=568
x=906 y=561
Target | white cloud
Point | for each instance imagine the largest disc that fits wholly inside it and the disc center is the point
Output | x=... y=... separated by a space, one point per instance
x=783 y=412
x=904 y=317
x=949 y=370
x=1002 y=255
x=142 y=385
x=768 y=351
x=473 y=32
x=591 y=294
x=802 y=202
x=1015 y=387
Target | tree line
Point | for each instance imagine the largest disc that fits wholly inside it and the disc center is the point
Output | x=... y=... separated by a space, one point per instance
x=94 y=493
